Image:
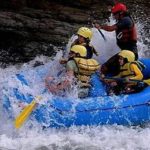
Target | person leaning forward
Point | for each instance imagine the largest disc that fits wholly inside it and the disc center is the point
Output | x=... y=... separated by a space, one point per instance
x=78 y=68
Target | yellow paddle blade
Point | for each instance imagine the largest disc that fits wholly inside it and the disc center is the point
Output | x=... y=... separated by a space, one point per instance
x=147 y=81
x=22 y=117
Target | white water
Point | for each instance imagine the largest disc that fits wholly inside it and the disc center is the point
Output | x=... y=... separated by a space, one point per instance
x=75 y=138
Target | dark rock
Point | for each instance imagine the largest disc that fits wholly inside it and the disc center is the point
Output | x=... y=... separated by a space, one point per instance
x=28 y=27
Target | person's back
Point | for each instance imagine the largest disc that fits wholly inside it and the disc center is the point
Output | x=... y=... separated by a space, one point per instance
x=126 y=35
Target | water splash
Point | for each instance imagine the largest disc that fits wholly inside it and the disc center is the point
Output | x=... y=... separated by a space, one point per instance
x=94 y=138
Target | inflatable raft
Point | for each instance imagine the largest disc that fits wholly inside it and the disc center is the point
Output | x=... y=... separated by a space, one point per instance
x=97 y=109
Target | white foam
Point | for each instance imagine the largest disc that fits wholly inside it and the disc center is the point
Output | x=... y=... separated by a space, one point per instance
x=32 y=137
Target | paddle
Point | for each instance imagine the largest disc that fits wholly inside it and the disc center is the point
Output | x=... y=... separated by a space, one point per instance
x=22 y=117
x=101 y=33
x=147 y=81
x=122 y=79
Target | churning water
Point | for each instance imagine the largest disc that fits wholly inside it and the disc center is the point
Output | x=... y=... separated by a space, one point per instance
x=75 y=138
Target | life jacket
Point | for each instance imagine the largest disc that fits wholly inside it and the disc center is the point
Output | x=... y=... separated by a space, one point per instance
x=86 y=67
x=127 y=35
x=126 y=72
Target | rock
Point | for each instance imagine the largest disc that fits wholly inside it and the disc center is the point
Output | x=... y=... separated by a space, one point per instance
x=27 y=27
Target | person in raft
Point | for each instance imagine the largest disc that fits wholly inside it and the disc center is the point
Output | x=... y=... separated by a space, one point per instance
x=78 y=71
x=84 y=38
x=126 y=36
x=129 y=80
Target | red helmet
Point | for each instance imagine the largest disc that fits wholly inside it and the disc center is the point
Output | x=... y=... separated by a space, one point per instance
x=119 y=8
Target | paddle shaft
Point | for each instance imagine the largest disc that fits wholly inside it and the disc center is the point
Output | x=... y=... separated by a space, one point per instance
x=102 y=34
x=122 y=79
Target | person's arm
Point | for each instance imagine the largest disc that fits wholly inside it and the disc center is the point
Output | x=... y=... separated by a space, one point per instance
x=137 y=71
x=109 y=28
x=63 y=60
x=67 y=82
x=71 y=69
x=54 y=85
x=106 y=28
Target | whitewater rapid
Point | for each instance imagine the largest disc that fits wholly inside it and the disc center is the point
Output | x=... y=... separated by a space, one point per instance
x=32 y=136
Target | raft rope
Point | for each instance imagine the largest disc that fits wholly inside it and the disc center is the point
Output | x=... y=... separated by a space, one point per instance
x=101 y=109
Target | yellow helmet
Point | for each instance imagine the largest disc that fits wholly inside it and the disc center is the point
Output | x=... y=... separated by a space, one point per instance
x=79 y=49
x=127 y=54
x=85 y=32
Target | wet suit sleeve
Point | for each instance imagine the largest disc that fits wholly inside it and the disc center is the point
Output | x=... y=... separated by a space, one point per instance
x=71 y=66
x=137 y=71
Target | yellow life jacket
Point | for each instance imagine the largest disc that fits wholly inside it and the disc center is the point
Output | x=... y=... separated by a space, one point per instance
x=125 y=70
x=86 y=67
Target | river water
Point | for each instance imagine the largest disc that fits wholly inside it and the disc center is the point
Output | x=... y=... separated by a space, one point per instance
x=75 y=138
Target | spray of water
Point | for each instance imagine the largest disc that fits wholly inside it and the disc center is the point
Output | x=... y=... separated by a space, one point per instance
x=31 y=136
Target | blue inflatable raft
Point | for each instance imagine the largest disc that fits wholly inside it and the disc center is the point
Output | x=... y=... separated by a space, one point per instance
x=97 y=109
